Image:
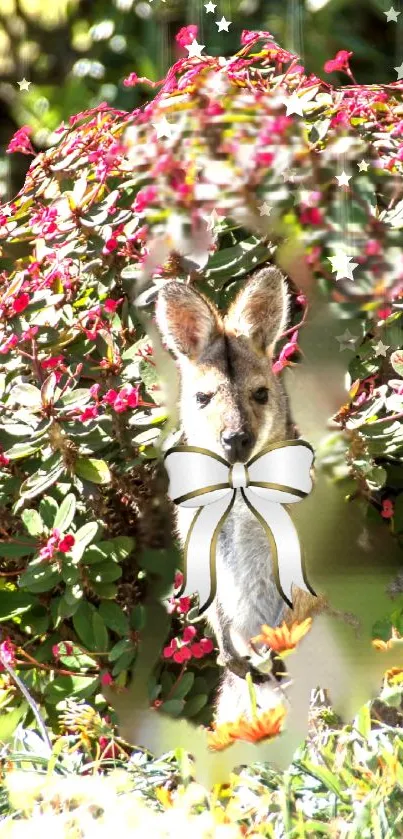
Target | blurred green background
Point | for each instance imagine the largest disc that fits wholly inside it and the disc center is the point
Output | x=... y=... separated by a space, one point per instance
x=76 y=54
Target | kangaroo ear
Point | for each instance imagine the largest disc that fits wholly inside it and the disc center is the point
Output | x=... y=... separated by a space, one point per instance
x=260 y=311
x=187 y=321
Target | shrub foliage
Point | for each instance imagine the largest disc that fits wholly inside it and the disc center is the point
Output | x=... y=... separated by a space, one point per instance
x=231 y=163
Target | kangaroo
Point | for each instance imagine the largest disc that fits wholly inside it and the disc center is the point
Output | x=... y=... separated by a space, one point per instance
x=232 y=403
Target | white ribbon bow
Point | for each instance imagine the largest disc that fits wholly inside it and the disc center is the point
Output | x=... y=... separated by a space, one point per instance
x=279 y=474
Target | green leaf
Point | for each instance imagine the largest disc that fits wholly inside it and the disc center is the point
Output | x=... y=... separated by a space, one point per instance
x=327 y=778
x=382 y=629
x=76 y=398
x=363 y=721
x=48 y=508
x=48 y=389
x=33 y=522
x=184 y=685
x=43 y=478
x=138 y=617
x=123 y=546
x=84 y=537
x=96 y=471
x=107 y=572
x=173 y=707
x=27 y=395
x=105 y=590
x=66 y=512
x=82 y=622
x=100 y=632
x=21 y=450
x=40 y=577
x=10 y=721
x=14 y=602
x=124 y=662
x=75 y=687
x=195 y=704
x=114 y=617
x=21 y=547
x=123 y=646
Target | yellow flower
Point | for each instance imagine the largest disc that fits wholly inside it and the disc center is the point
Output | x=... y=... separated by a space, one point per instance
x=394 y=675
x=283 y=637
x=261 y=727
x=382 y=645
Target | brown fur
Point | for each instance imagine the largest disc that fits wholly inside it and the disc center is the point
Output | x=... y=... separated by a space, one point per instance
x=227 y=360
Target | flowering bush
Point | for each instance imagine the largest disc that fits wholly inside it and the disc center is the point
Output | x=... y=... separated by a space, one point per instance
x=231 y=159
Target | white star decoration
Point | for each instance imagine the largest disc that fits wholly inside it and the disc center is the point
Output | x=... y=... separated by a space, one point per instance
x=265 y=209
x=399 y=71
x=210 y=7
x=392 y=15
x=294 y=105
x=343 y=179
x=223 y=24
x=363 y=166
x=380 y=348
x=163 y=128
x=347 y=341
x=23 y=84
x=341 y=265
x=194 y=49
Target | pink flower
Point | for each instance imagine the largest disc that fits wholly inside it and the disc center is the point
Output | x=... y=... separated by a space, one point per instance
x=89 y=413
x=51 y=363
x=66 y=543
x=110 y=397
x=186 y=35
x=106 y=679
x=388 y=508
x=339 y=62
x=311 y=215
x=9 y=344
x=144 y=197
x=94 y=390
x=131 y=80
x=184 y=605
x=29 y=333
x=189 y=633
x=110 y=245
x=196 y=650
x=206 y=645
x=21 y=142
x=4 y=460
x=181 y=655
x=288 y=350
x=7 y=653
x=110 y=305
x=249 y=36
x=178 y=579
x=373 y=247
x=396 y=385
x=384 y=313
x=170 y=649
x=20 y=303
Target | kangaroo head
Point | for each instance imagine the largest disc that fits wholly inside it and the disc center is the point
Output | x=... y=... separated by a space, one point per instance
x=231 y=402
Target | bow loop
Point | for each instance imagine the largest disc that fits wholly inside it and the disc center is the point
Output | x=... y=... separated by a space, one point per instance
x=280 y=474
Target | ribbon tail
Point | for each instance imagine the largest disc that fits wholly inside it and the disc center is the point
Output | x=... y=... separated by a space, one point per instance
x=200 y=551
x=288 y=564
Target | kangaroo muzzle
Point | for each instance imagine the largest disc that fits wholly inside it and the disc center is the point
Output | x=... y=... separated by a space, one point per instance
x=237 y=445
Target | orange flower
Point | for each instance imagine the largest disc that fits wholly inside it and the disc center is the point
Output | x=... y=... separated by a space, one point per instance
x=382 y=645
x=394 y=675
x=283 y=637
x=262 y=727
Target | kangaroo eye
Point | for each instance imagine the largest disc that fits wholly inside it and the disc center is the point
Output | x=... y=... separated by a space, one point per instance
x=203 y=399
x=261 y=395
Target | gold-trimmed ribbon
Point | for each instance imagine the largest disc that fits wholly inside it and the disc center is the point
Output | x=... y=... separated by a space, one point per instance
x=279 y=474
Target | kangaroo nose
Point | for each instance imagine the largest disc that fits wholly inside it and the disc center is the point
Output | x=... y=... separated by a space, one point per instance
x=236 y=445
